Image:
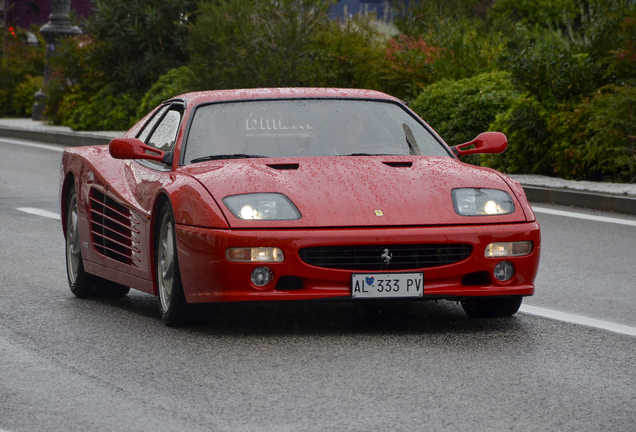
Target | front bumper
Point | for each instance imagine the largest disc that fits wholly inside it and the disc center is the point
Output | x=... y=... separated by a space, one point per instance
x=208 y=276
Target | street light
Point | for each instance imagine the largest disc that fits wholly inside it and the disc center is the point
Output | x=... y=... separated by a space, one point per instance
x=59 y=25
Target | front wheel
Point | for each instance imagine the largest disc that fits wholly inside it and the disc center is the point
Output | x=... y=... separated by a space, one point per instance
x=83 y=284
x=172 y=303
x=496 y=307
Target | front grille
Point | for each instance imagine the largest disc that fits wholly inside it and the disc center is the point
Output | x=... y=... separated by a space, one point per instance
x=114 y=229
x=403 y=257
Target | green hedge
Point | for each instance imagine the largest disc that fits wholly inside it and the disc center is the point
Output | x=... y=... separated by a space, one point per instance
x=107 y=110
x=460 y=110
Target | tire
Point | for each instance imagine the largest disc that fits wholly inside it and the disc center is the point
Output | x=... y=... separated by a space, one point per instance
x=83 y=284
x=497 y=307
x=172 y=303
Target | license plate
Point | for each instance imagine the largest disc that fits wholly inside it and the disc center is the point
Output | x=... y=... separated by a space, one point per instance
x=387 y=285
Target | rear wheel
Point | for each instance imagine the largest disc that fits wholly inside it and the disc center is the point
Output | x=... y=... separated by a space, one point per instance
x=497 y=307
x=172 y=303
x=83 y=284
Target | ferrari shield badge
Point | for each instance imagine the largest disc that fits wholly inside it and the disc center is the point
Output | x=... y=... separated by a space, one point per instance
x=379 y=213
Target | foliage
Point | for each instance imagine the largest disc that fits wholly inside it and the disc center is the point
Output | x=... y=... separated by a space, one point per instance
x=449 y=48
x=174 y=82
x=533 y=14
x=596 y=140
x=460 y=110
x=557 y=75
x=414 y=18
x=566 y=49
x=71 y=73
x=348 y=54
x=22 y=99
x=128 y=45
x=20 y=65
x=107 y=110
x=410 y=65
x=465 y=47
x=249 y=43
x=137 y=41
x=623 y=63
x=525 y=124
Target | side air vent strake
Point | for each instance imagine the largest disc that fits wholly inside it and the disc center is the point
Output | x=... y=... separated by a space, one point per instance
x=114 y=229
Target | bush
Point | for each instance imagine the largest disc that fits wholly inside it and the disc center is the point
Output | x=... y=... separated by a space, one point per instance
x=564 y=50
x=410 y=66
x=175 y=82
x=23 y=96
x=107 y=110
x=460 y=110
x=526 y=127
x=596 y=139
x=347 y=54
x=20 y=66
x=558 y=74
x=466 y=48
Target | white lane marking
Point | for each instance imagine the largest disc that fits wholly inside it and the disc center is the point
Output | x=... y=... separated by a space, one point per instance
x=30 y=144
x=584 y=216
x=578 y=319
x=39 y=212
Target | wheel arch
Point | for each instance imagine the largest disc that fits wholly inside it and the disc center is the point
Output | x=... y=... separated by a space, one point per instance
x=162 y=198
x=69 y=182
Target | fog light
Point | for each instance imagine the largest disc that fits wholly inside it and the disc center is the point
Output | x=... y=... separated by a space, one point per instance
x=506 y=249
x=504 y=271
x=259 y=254
x=261 y=276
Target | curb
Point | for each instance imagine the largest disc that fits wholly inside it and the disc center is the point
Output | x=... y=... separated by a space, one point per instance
x=590 y=200
x=62 y=138
x=535 y=194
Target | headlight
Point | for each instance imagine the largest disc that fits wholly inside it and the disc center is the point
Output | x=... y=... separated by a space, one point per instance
x=262 y=206
x=482 y=202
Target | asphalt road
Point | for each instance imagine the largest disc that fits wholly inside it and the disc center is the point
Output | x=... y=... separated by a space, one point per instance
x=68 y=364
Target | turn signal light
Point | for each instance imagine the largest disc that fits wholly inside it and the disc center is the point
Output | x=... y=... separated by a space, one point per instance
x=259 y=254
x=508 y=249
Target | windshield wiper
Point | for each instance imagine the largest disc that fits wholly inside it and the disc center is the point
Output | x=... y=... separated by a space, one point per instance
x=226 y=156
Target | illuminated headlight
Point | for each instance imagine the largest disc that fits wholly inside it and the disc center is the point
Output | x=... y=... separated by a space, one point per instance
x=262 y=206
x=482 y=202
x=508 y=249
x=259 y=254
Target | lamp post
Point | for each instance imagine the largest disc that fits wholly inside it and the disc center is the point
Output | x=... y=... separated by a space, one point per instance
x=59 y=25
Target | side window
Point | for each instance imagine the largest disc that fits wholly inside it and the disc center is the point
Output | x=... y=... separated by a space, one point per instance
x=151 y=124
x=165 y=135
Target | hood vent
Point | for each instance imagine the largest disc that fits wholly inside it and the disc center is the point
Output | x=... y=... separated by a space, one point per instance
x=114 y=229
x=290 y=166
x=399 y=164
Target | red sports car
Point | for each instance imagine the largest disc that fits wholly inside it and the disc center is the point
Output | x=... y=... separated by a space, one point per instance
x=290 y=194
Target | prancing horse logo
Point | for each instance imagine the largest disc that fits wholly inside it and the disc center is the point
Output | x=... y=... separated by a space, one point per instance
x=386 y=256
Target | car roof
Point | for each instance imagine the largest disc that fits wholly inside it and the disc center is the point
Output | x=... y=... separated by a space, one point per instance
x=282 y=93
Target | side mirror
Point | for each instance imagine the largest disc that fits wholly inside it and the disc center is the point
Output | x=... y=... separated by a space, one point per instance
x=132 y=148
x=487 y=142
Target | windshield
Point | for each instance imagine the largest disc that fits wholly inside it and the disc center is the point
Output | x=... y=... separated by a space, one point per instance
x=306 y=127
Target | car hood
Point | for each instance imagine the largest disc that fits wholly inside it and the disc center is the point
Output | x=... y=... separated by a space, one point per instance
x=365 y=191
